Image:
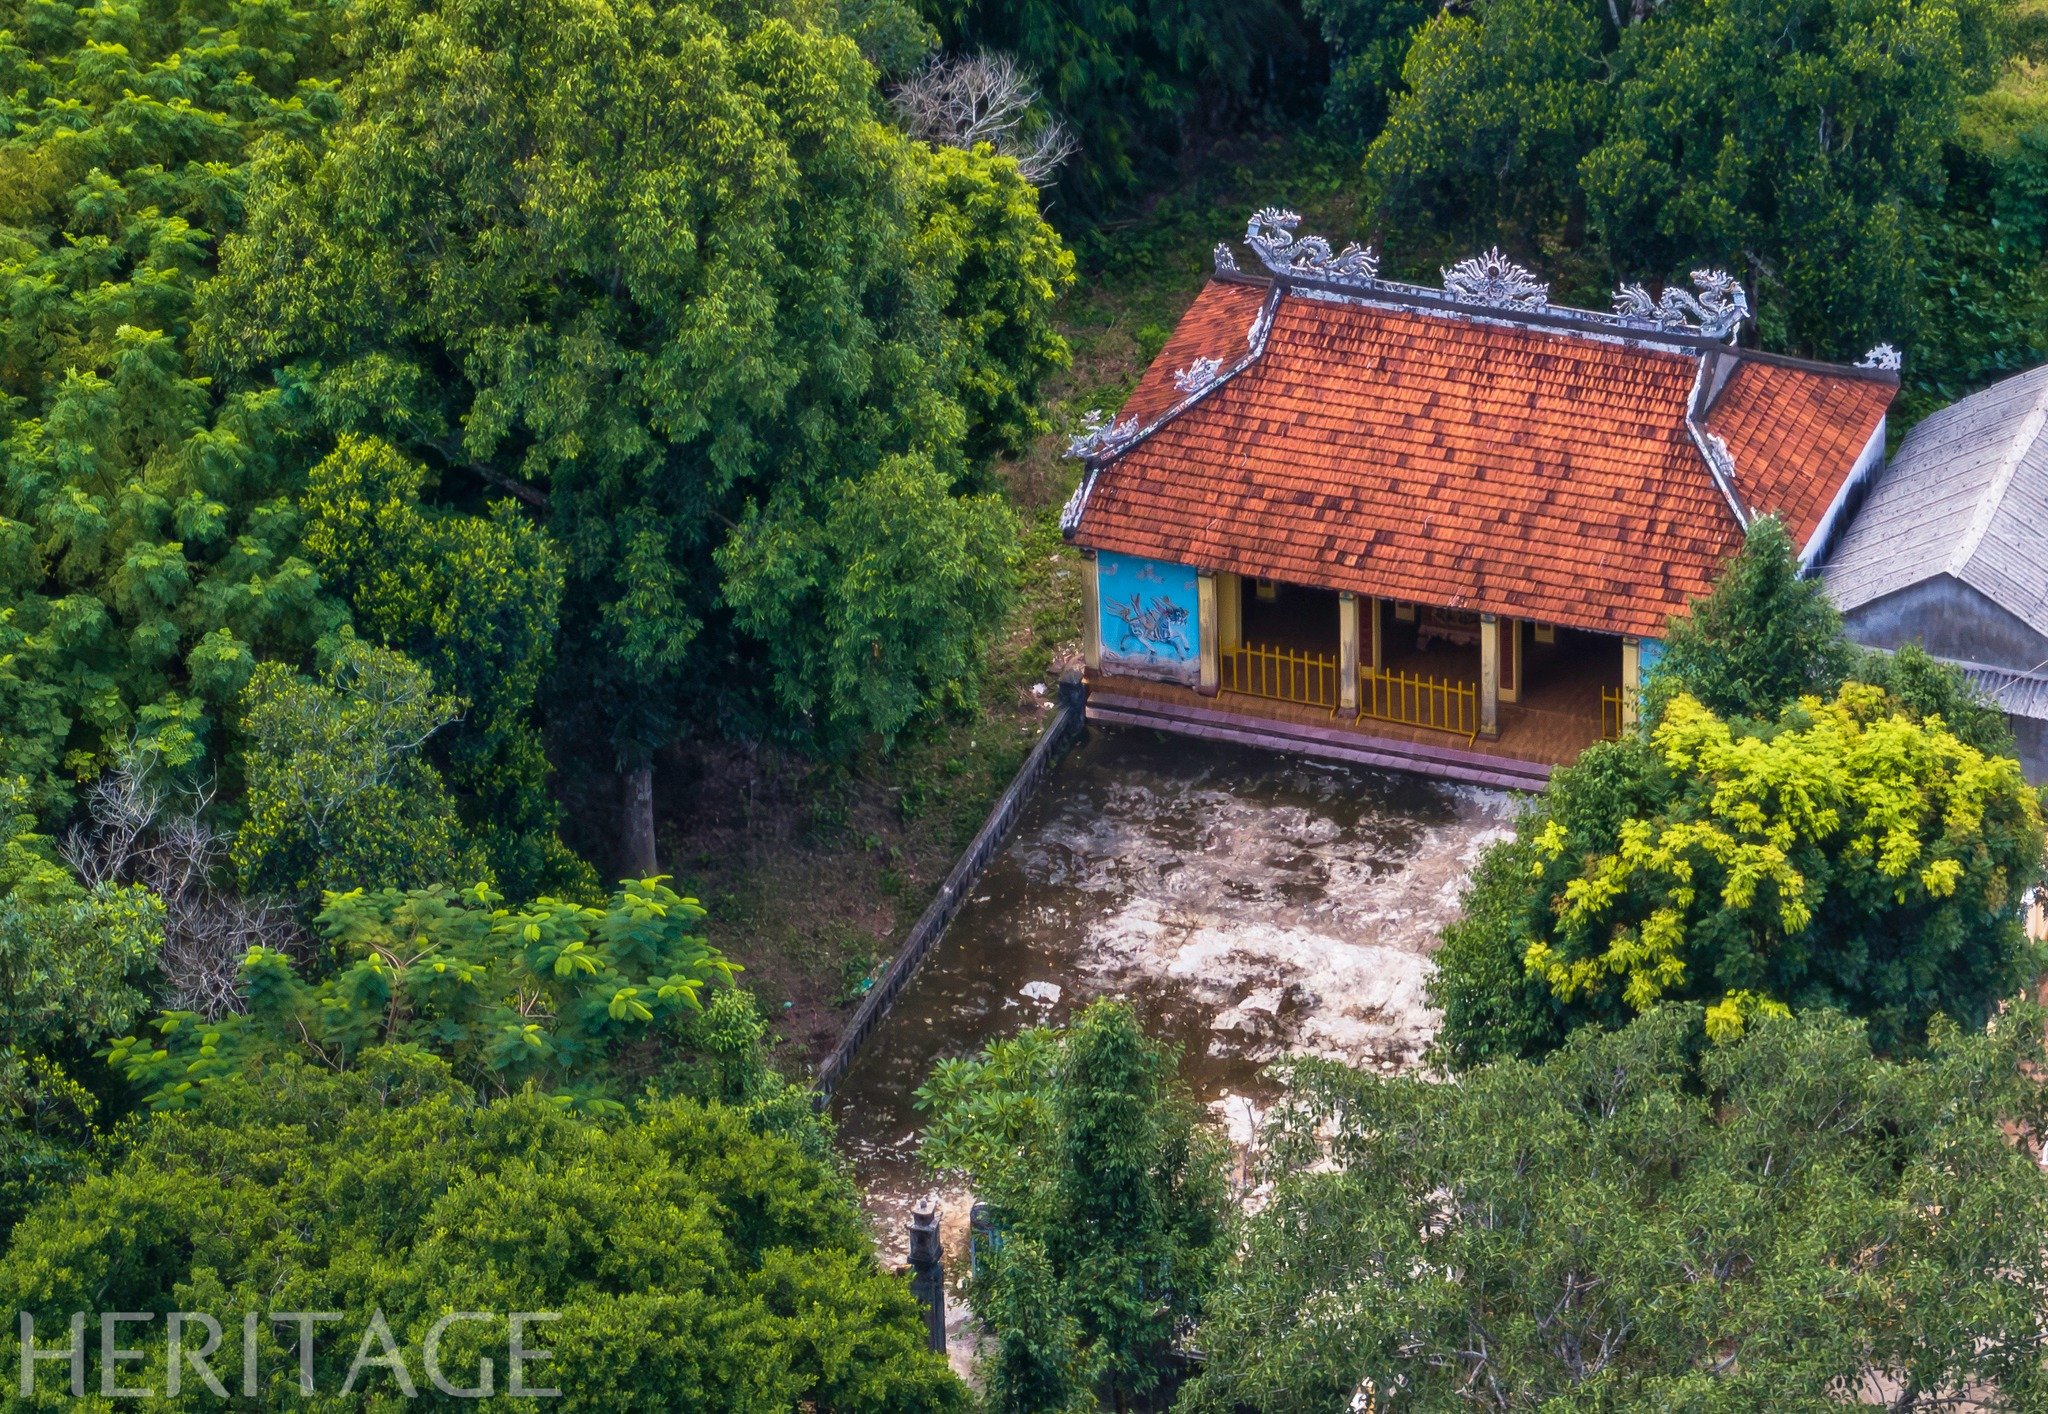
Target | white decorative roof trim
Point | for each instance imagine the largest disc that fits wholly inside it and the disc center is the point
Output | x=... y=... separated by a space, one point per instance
x=1884 y=356
x=1270 y=234
x=1226 y=259
x=1496 y=281
x=1070 y=514
x=1716 y=312
x=1492 y=281
x=1102 y=435
x=1197 y=375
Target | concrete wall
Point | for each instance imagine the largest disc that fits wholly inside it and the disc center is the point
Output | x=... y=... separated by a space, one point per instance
x=2032 y=735
x=1950 y=620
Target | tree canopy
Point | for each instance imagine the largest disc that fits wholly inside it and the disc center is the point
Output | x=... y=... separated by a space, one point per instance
x=544 y=994
x=1105 y=1198
x=1846 y=855
x=692 y=1263
x=1786 y=1221
x=686 y=294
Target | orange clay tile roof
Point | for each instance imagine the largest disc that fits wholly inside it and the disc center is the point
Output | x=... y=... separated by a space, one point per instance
x=1466 y=462
x=1217 y=325
x=1794 y=432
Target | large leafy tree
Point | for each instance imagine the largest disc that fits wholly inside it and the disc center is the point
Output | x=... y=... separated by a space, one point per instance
x=1786 y=1222
x=663 y=272
x=153 y=525
x=1798 y=140
x=1105 y=1195
x=691 y=1262
x=1500 y=105
x=1846 y=855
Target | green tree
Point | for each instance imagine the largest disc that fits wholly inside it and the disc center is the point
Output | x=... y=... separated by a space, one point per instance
x=74 y=963
x=688 y=296
x=338 y=795
x=146 y=524
x=692 y=1264
x=1763 y=638
x=1105 y=1191
x=1368 y=42
x=1500 y=104
x=1786 y=1222
x=476 y=600
x=1796 y=140
x=1983 y=288
x=547 y=994
x=1845 y=856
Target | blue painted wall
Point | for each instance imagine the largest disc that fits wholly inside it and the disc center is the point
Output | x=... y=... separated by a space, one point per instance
x=1150 y=618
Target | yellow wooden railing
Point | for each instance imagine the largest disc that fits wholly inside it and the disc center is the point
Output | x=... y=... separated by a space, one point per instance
x=1612 y=716
x=1440 y=704
x=1284 y=673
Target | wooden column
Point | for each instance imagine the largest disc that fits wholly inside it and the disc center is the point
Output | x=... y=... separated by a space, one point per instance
x=1631 y=679
x=1091 y=611
x=1347 y=654
x=1205 y=612
x=1229 y=611
x=1511 y=660
x=1375 y=661
x=1489 y=675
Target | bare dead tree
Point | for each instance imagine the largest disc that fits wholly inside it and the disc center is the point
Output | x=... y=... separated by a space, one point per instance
x=960 y=100
x=135 y=833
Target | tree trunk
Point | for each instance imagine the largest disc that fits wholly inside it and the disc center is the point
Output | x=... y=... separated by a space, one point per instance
x=636 y=826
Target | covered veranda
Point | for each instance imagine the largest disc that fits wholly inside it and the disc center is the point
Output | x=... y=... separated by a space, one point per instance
x=1496 y=684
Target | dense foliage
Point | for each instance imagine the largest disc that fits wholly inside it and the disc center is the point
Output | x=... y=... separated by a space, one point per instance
x=1786 y=1222
x=74 y=963
x=1845 y=856
x=1764 y=638
x=692 y=1264
x=1810 y=146
x=1105 y=1198
x=687 y=294
x=1131 y=80
x=546 y=994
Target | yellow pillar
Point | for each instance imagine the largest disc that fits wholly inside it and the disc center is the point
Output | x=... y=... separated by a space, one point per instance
x=1489 y=675
x=1091 y=611
x=1631 y=679
x=1229 y=612
x=1205 y=602
x=1347 y=654
x=1373 y=638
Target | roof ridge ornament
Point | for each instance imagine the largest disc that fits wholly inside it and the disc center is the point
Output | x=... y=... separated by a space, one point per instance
x=1716 y=312
x=1493 y=279
x=1200 y=374
x=1102 y=435
x=1884 y=357
x=1270 y=234
x=1226 y=259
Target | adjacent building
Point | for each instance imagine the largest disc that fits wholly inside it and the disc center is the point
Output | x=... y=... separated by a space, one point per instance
x=1947 y=551
x=1438 y=527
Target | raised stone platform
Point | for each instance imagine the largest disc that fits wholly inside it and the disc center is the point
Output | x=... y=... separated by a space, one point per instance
x=1354 y=744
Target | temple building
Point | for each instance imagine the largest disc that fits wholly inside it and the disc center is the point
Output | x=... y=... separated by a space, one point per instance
x=1438 y=528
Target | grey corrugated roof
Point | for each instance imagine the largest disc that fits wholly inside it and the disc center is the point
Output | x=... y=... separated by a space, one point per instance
x=1967 y=495
x=2019 y=694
